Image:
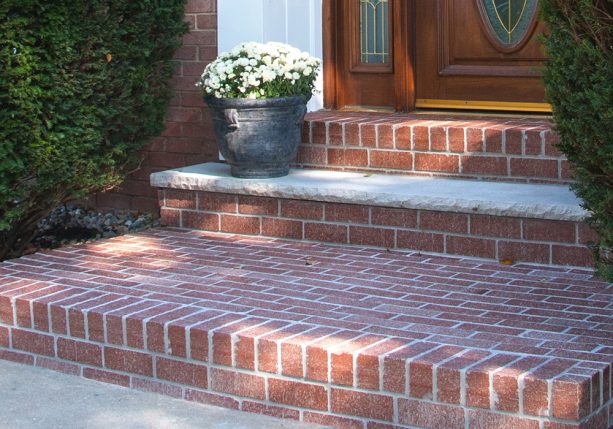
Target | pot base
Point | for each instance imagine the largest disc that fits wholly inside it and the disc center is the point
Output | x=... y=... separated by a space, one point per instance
x=259 y=173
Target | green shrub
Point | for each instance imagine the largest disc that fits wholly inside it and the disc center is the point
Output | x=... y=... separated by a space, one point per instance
x=579 y=82
x=83 y=85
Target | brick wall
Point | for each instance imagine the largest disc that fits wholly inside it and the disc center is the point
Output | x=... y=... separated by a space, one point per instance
x=188 y=137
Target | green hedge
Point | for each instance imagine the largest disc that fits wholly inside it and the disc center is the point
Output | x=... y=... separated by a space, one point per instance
x=579 y=82
x=83 y=86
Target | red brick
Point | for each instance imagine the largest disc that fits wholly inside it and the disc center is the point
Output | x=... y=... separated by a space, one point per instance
x=506 y=383
x=239 y=384
x=369 y=405
x=78 y=351
x=240 y=224
x=428 y=415
x=211 y=399
x=270 y=410
x=157 y=387
x=468 y=246
x=128 y=361
x=493 y=140
x=106 y=377
x=17 y=357
x=536 y=400
x=403 y=138
x=571 y=397
x=442 y=221
x=4 y=337
x=438 y=139
x=479 y=419
x=495 y=226
x=474 y=139
x=335 y=134
x=318 y=133
x=298 y=209
x=317 y=355
x=425 y=241
x=181 y=372
x=258 y=205
x=366 y=236
x=552 y=139
x=385 y=136
x=6 y=310
x=484 y=165
x=368 y=135
x=332 y=421
x=291 y=360
x=312 y=155
x=282 y=228
x=206 y=22
x=522 y=251
x=587 y=235
x=403 y=218
x=179 y=199
x=547 y=230
x=421 y=371
x=533 y=144
x=342 y=359
x=199 y=220
x=448 y=376
x=326 y=232
x=199 y=335
x=33 y=342
x=351 y=134
x=478 y=380
x=514 y=138
x=200 y=6
x=524 y=167
x=348 y=157
x=346 y=213
x=213 y=202
x=421 y=137
x=297 y=394
x=245 y=345
x=391 y=159
x=169 y=217
x=268 y=347
x=456 y=139
x=437 y=163
x=572 y=255
x=54 y=365
x=368 y=365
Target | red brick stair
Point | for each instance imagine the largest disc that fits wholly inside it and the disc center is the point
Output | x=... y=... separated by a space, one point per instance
x=350 y=337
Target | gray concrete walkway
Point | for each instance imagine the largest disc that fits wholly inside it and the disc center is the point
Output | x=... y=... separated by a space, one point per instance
x=35 y=398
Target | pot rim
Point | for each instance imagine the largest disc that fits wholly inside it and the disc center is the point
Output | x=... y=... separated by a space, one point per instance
x=249 y=102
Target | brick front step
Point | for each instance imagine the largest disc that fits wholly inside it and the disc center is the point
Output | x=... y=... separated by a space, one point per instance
x=492 y=148
x=344 y=336
x=516 y=222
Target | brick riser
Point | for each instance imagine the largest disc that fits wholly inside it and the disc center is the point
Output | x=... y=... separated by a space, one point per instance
x=502 y=149
x=287 y=371
x=474 y=235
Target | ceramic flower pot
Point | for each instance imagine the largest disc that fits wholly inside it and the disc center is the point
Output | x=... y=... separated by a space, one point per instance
x=258 y=138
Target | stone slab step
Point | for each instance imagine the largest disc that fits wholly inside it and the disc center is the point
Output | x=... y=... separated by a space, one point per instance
x=336 y=335
x=511 y=148
x=496 y=220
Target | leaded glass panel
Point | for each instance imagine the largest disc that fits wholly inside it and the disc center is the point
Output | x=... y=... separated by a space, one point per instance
x=374 y=31
x=510 y=20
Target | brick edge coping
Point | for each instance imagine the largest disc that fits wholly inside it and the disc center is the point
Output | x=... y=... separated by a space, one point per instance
x=222 y=362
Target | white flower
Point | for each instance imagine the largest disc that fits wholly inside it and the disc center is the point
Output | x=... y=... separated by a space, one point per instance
x=256 y=70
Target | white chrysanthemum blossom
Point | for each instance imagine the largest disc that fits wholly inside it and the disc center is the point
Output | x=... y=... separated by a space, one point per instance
x=255 y=70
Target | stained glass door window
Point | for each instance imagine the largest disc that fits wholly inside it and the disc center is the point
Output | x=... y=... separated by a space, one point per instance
x=374 y=32
x=509 y=21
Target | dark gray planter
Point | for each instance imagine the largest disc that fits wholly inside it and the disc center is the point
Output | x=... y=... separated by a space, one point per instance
x=258 y=138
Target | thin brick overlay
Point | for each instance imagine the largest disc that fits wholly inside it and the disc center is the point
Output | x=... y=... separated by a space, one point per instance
x=511 y=149
x=474 y=235
x=338 y=335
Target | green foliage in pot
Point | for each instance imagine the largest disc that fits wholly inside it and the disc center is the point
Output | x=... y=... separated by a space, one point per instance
x=579 y=82
x=83 y=86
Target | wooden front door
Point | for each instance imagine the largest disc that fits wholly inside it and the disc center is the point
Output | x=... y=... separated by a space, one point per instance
x=478 y=54
x=402 y=54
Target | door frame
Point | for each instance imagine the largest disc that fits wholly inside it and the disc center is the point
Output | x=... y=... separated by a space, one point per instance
x=404 y=48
